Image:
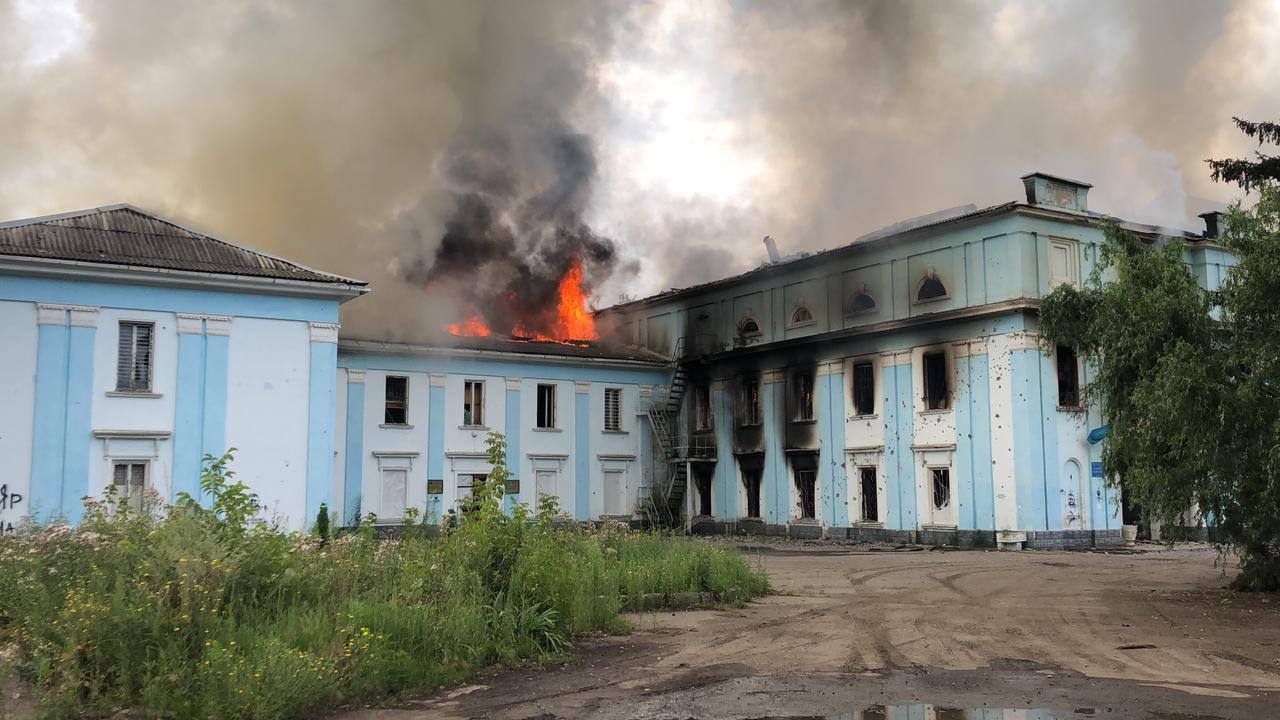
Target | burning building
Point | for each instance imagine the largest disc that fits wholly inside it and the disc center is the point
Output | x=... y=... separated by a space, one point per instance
x=893 y=388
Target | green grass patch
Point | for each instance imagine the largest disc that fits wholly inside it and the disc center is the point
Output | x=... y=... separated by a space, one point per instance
x=192 y=611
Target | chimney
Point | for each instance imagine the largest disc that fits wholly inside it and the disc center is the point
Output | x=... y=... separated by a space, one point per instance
x=1212 y=224
x=1054 y=191
x=772 y=247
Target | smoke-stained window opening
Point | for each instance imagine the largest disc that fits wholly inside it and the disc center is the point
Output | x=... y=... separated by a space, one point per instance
x=941 y=487
x=396 y=406
x=751 y=483
x=1068 y=378
x=804 y=396
x=701 y=407
x=861 y=302
x=749 y=328
x=702 y=482
x=869 y=494
x=864 y=388
x=546 y=407
x=750 y=402
x=807 y=486
x=801 y=316
x=473 y=403
x=937 y=388
x=931 y=287
x=613 y=409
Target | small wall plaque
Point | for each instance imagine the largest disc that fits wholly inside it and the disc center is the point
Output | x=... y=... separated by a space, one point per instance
x=435 y=487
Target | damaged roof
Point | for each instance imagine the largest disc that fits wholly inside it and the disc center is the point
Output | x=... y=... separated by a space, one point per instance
x=575 y=350
x=126 y=235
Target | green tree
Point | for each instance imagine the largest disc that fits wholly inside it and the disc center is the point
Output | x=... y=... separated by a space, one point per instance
x=1189 y=379
x=1262 y=169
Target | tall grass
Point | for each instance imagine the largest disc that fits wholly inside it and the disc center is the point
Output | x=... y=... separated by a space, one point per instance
x=194 y=612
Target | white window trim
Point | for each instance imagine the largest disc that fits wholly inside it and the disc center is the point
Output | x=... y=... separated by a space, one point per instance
x=555 y=407
x=620 y=429
x=915 y=289
x=149 y=390
x=408 y=387
x=791 y=317
x=1072 y=247
x=876 y=401
x=484 y=399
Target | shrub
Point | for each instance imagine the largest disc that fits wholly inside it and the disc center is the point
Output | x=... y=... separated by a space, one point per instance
x=194 y=611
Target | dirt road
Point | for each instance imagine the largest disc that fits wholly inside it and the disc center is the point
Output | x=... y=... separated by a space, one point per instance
x=1148 y=634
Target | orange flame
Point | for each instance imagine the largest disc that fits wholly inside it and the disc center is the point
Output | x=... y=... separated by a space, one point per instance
x=471 y=327
x=575 y=321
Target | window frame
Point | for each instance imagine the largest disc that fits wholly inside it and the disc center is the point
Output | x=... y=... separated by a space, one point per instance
x=383 y=473
x=703 y=420
x=932 y=404
x=1072 y=248
x=852 y=309
x=749 y=334
x=853 y=388
x=388 y=403
x=469 y=387
x=132 y=360
x=613 y=418
x=792 y=322
x=934 y=471
x=547 y=413
x=128 y=499
x=800 y=484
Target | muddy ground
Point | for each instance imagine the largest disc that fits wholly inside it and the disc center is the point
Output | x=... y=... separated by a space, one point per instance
x=1151 y=633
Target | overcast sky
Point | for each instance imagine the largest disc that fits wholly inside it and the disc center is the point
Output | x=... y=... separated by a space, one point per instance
x=330 y=132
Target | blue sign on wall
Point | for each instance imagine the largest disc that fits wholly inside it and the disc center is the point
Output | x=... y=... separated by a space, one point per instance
x=1096 y=469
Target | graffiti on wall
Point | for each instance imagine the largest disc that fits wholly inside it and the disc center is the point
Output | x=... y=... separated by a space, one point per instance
x=9 y=507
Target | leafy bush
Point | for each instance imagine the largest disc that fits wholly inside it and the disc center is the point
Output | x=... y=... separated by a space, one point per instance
x=193 y=610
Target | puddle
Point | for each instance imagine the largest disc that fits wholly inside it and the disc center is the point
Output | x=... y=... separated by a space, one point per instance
x=919 y=711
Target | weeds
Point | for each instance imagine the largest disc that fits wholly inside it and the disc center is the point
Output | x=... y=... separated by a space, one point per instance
x=193 y=610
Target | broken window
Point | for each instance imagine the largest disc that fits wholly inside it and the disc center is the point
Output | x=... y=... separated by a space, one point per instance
x=801 y=316
x=473 y=402
x=931 y=287
x=807 y=485
x=937 y=390
x=1068 y=377
x=703 y=481
x=749 y=328
x=941 y=487
x=804 y=396
x=864 y=388
x=546 y=407
x=870 y=494
x=702 y=407
x=396 y=408
x=862 y=302
x=751 y=481
x=751 y=402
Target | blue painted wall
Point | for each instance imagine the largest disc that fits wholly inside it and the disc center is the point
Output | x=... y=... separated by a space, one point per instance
x=321 y=411
x=352 y=476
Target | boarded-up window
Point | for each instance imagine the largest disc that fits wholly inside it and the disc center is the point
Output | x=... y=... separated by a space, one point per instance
x=937 y=388
x=133 y=366
x=615 y=484
x=613 y=409
x=1068 y=377
x=864 y=388
x=546 y=407
x=751 y=402
x=1064 y=262
x=870 y=494
x=396 y=407
x=394 y=494
x=473 y=402
x=130 y=481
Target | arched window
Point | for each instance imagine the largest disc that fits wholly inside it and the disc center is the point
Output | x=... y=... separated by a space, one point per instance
x=801 y=316
x=749 y=328
x=931 y=287
x=861 y=302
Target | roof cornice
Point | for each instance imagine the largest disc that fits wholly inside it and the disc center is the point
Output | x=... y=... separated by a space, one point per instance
x=378 y=347
x=137 y=274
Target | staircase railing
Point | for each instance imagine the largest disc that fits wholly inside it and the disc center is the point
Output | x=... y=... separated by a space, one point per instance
x=663 y=414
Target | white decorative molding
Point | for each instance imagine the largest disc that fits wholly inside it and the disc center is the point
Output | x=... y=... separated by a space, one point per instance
x=513 y=384
x=581 y=387
x=355 y=376
x=218 y=325
x=190 y=324
x=324 y=332
x=830 y=367
x=53 y=314
x=773 y=376
x=967 y=348
x=1024 y=340
x=438 y=379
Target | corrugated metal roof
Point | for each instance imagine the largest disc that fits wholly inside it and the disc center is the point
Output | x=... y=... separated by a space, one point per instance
x=580 y=350
x=126 y=235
